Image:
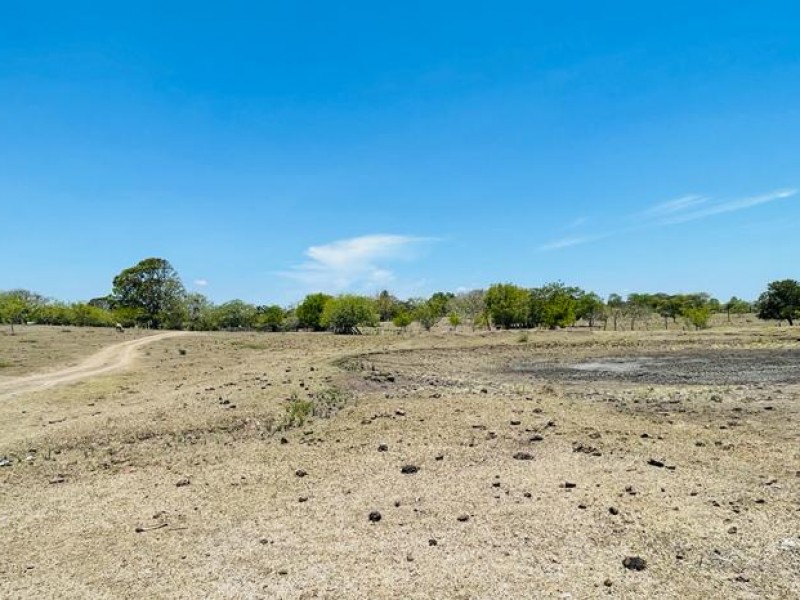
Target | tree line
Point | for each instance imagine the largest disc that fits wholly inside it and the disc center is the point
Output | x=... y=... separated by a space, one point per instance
x=151 y=294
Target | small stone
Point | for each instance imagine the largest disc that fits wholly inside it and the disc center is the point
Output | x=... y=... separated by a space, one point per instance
x=302 y=499
x=284 y=440
x=484 y=391
x=655 y=463
x=439 y=457
x=523 y=456
x=608 y=583
x=375 y=516
x=300 y=473
x=433 y=542
x=4 y=462
x=613 y=510
x=463 y=518
x=383 y=448
x=732 y=530
x=183 y=482
x=515 y=422
x=283 y=572
x=535 y=438
x=409 y=469
x=569 y=485
x=634 y=563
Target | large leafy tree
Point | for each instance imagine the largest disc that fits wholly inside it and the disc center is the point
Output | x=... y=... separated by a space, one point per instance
x=507 y=305
x=153 y=289
x=345 y=314
x=780 y=301
x=309 y=313
x=12 y=309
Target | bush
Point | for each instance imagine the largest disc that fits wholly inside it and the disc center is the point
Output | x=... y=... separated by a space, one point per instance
x=345 y=314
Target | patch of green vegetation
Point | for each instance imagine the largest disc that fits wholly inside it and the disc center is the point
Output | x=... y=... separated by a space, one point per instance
x=5 y=364
x=297 y=412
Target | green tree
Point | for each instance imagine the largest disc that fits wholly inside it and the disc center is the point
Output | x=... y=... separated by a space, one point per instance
x=469 y=306
x=12 y=309
x=152 y=288
x=590 y=307
x=736 y=306
x=507 y=305
x=199 y=313
x=781 y=301
x=454 y=319
x=553 y=305
x=698 y=316
x=346 y=313
x=270 y=318
x=402 y=319
x=235 y=314
x=438 y=303
x=386 y=305
x=427 y=314
x=309 y=312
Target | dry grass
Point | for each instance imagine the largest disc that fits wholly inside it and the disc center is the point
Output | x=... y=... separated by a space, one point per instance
x=111 y=451
x=40 y=347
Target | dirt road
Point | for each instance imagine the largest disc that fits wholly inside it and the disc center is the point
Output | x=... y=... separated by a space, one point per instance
x=108 y=359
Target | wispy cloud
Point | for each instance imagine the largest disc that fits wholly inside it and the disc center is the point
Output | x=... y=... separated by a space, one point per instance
x=675 y=206
x=730 y=206
x=672 y=212
x=568 y=241
x=200 y=282
x=359 y=263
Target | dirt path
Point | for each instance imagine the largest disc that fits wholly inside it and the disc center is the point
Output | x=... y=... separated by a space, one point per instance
x=108 y=359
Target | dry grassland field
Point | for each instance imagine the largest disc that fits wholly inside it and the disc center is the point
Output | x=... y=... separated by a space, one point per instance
x=446 y=465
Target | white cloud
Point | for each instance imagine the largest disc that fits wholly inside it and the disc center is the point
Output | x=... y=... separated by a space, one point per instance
x=730 y=206
x=568 y=241
x=357 y=264
x=200 y=282
x=681 y=210
x=675 y=206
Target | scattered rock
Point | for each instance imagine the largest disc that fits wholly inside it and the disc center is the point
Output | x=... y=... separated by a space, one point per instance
x=634 y=563
x=655 y=463
x=4 y=462
x=608 y=583
x=515 y=422
x=375 y=516
x=439 y=457
x=613 y=510
x=523 y=456
x=463 y=518
x=300 y=473
x=284 y=440
x=732 y=530
x=569 y=485
x=57 y=479
x=433 y=542
x=535 y=438
x=183 y=482
x=302 y=499
x=383 y=448
x=409 y=469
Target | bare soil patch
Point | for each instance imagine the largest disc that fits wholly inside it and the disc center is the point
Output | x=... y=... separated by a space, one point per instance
x=181 y=476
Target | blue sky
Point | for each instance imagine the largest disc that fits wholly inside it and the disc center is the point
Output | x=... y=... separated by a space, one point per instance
x=270 y=149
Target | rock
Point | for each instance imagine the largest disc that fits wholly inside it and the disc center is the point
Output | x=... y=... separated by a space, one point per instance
x=463 y=518
x=183 y=482
x=439 y=457
x=302 y=499
x=634 y=563
x=409 y=469
x=484 y=391
x=383 y=448
x=433 y=542
x=284 y=440
x=655 y=463
x=535 y=438
x=375 y=516
x=516 y=422
x=400 y=413
x=4 y=462
x=523 y=456
x=608 y=583
x=614 y=511
x=569 y=485
x=300 y=473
